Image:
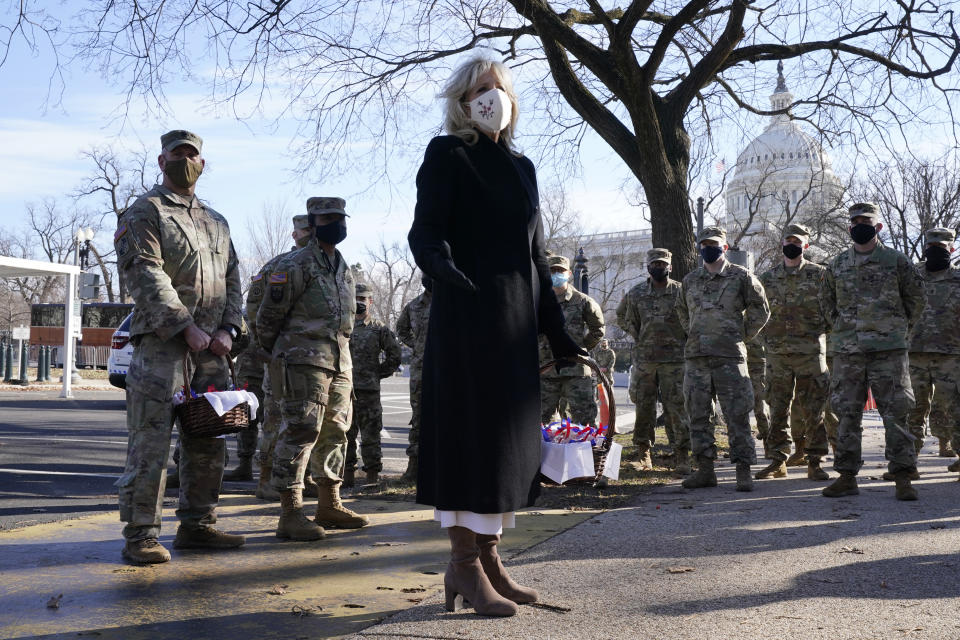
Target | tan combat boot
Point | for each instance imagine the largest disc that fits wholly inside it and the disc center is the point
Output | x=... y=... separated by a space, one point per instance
x=814 y=472
x=955 y=466
x=704 y=476
x=205 y=537
x=332 y=514
x=349 y=478
x=946 y=451
x=681 y=461
x=265 y=490
x=890 y=477
x=776 y=469
x=465 y=577
x=294 y=524
x=147 y=551
x=744 y=481
x=845 y=485
x=798 y=457
x=310 y=488
x=410 y=475
x=905 y=490
x=643 y=455
x=497 y=575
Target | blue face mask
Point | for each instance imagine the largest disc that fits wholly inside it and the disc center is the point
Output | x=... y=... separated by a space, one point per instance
x=558 y=279
x=711 y=253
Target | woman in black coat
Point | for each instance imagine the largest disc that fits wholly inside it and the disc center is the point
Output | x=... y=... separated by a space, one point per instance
x=477 y=232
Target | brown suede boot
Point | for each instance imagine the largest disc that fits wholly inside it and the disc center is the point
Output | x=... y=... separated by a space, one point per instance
x=776 y=469
x=890 y=477
x=845 y=485
x=798 y=457
x=466 y=577
x=147 y=551
x=905 y=490
x=814 y=471
x=205 y=537
x=704 y=475
x=497 y=575
x=946 y=451
x=744 y=481
x=643 y=456
x=410 y=475
x=265 y=490
x=955 y=466
x=332 y=514
x=681 y=462
x=294 y=524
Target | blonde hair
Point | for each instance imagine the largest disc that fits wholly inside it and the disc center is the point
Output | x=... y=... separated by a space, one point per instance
x=455 y=119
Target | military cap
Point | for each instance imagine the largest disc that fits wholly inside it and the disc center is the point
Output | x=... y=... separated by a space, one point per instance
x=173 y=139
x=865 y=209
x=939 y=234
x=558 y=261
x=798 y=231
x=364 y=290
x=713 y=233
x=301 y=221
x=317 y=205
x=659 y=254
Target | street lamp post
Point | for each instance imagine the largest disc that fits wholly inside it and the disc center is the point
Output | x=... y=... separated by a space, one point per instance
x=83 y=237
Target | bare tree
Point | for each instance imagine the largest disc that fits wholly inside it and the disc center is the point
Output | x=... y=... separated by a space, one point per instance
x=390 y=271
x=268 y=235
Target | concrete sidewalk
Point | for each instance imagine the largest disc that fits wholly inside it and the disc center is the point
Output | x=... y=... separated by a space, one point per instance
x=780 y=562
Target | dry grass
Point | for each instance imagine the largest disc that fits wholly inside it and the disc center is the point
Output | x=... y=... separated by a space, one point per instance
x=576 y=497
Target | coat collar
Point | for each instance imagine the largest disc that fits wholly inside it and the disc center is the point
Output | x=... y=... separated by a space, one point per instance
x=176 y=198
x=781 y=269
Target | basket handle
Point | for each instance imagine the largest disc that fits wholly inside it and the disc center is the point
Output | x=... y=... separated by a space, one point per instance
x=607 y=389
x=186 y=374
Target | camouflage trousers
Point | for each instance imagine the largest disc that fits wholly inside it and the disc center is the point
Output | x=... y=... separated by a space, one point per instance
x=646 y=380
x=579 y=393
x=247 y=438
x=154 y=375
x=830 y=422
x=729 y=380
x=797 y=386
x=758 y=379
x=413 y=439
x=315 y=405
x=272 y=418
x=887 y=374
x=933 y=377
x=367 y=423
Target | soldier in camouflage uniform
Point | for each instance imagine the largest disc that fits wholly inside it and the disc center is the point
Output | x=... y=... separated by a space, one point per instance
x=585 y=324
x=935 y=347
x=649 y=314
x=873 y=297
x=253 y=367
x=375 y=353
x=176 y=255
x=606 y=358
x=305 y=321
x=757 y=367
x=721 y=307
x=797 y=375
x=412 y=331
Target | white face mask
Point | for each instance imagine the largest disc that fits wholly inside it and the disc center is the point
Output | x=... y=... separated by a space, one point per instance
x=491 y=110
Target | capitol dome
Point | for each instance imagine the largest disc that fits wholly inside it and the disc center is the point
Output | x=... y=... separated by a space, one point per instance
x=781 y=175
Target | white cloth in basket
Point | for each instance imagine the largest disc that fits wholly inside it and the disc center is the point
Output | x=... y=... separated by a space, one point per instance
x=223 y=401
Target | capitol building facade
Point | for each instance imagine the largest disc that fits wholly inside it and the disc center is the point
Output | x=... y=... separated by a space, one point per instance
x=782 y=176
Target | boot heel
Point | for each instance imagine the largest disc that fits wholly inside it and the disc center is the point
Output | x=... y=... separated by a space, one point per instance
x=454 y=599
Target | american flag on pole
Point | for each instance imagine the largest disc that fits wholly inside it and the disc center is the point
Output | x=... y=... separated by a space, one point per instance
x=721 y=166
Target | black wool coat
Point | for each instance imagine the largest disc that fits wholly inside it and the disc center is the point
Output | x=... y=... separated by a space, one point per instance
x=480 y=422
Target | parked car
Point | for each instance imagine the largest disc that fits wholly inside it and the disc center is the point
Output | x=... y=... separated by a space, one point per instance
x=121 y=351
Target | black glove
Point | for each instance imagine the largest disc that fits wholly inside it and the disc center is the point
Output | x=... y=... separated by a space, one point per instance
x=564 y=349
x=442 y=267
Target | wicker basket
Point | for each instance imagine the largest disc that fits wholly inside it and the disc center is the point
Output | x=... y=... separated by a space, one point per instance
x=199 y=420
x=599 y=452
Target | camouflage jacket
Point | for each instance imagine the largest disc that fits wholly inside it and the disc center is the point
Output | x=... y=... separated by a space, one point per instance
x=256 y=353
x=938 y=330
x=585 y=324
x=370 y=339
x=412 y=329
x=308 y=309
x=756 y=351
x=796 y=324
x=872 y=302
x=649 y=315
x=721 y=311
x=178 y=263
x=606 y=358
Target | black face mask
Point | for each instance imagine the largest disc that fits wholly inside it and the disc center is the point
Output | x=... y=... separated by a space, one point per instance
x=792 y=251
x=332 y=233
x=658 y=273
x=361 y=308
x=711 y=254
x=862 y=233
x=937 y=258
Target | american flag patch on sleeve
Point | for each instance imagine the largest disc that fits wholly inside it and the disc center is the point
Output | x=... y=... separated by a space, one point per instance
x=278 y=278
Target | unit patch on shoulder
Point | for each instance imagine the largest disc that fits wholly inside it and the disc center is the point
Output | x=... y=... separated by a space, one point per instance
x=122 y=229
x=257 y=278
x=279 y=277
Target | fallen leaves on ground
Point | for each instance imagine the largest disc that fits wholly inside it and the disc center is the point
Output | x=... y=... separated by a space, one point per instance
x=54 y=602
x=851 y=550
x=278 y=589
x=412 y=590
x=351 y=605
x=303 y=612
x=680 y=569
x=389 y=544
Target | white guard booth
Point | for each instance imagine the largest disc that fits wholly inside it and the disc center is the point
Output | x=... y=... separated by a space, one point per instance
x=20 y=268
